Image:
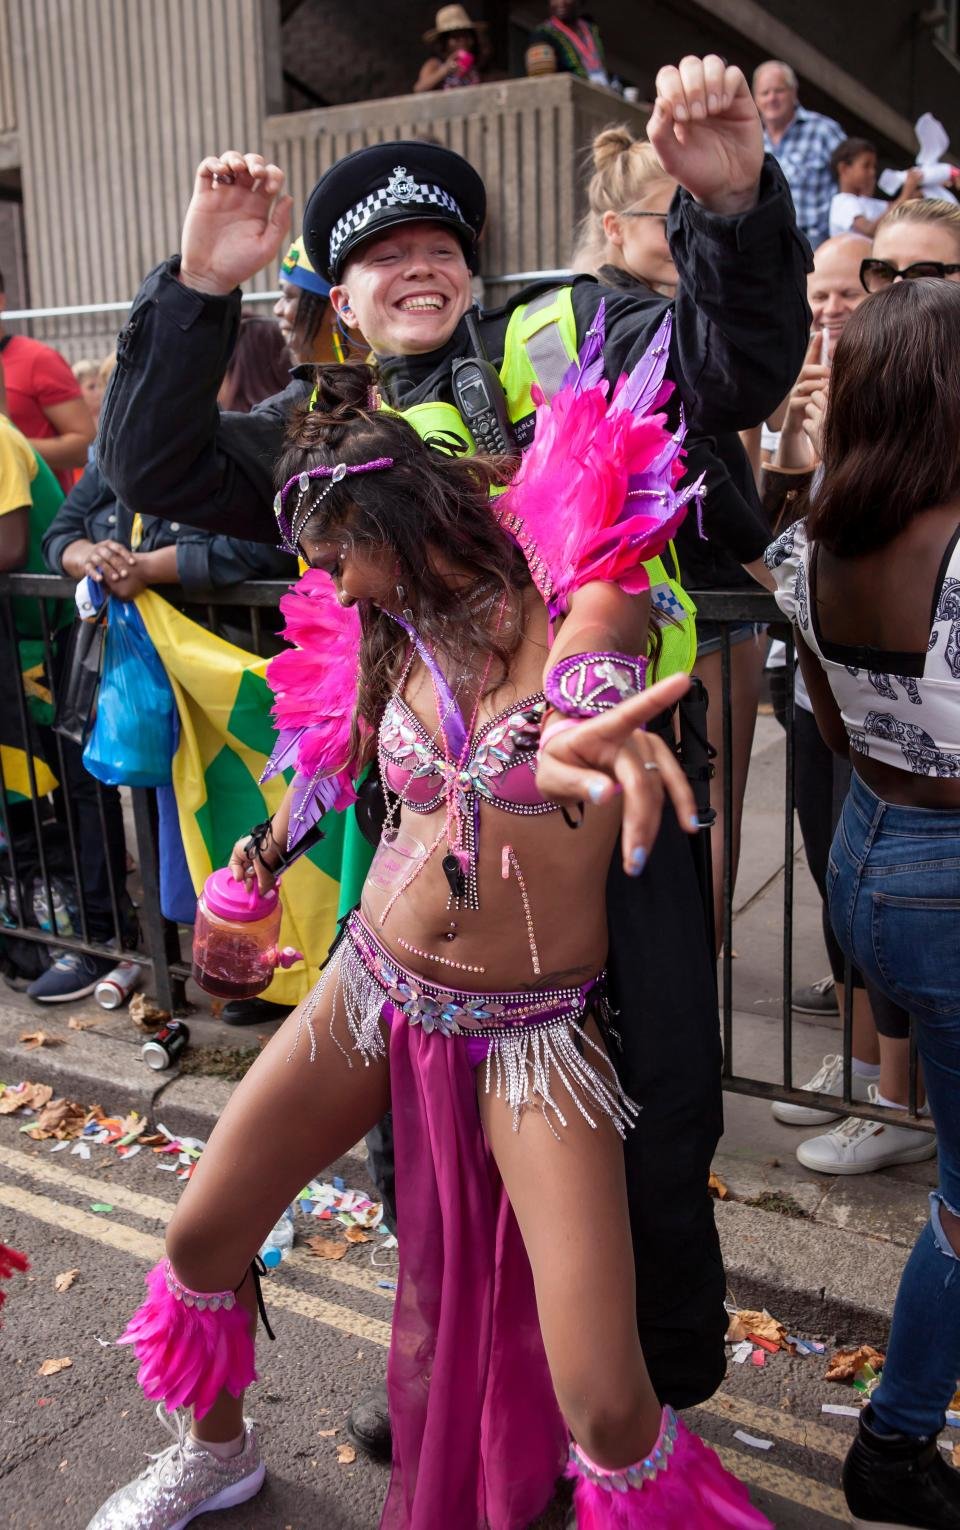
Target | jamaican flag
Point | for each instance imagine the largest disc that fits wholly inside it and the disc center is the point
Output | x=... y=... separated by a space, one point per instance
x=226 y=737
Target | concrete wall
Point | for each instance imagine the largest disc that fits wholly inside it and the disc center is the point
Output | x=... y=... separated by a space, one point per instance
x=116 y=102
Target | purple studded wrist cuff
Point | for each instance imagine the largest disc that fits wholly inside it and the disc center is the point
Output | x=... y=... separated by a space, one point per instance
x=586 y=684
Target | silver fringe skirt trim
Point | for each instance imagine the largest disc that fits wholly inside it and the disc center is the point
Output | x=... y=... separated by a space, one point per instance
x=526 y=1042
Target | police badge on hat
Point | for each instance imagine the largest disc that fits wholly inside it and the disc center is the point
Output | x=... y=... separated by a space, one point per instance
x=387 y=184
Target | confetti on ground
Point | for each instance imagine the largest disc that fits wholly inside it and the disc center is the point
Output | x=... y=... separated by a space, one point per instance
x=758 y=1357
x=752 y=1440
x=52 y=1367
x=387 y=1285
x=741 y=1352
x=841 y=1409
x=65 y=1281
x=100 y=1206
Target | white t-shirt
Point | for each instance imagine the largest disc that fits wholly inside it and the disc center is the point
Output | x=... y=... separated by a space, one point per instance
x=845 y=207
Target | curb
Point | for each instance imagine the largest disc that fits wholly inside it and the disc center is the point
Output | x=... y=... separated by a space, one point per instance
x=813 y=1276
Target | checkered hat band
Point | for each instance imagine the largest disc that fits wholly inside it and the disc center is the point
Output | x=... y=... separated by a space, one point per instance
x=358 y=217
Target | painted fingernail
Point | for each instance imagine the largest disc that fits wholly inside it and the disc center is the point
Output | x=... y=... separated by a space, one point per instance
x=595 y=790
x=638 y=859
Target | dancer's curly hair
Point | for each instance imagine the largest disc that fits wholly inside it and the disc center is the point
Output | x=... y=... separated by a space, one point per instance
x=428 y=501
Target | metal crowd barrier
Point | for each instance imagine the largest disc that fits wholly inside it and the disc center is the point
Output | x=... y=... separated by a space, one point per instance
x=158 y=946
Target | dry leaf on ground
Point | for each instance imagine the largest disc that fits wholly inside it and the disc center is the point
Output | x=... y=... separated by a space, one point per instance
x=34 y=1039
x=326 y=1434
x=356 y=1235
x=51 y=1367
x=145 y=1014
x=346 y=1455
x=327 y=1248
x=60 y=1118
x=844 y=1365
x=717 y=1187
x=33 y=1095
x=65 y=1281
x=83 y=1022
x=747 y=1322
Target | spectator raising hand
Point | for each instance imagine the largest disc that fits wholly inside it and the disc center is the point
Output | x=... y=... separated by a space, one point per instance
x=797 y=449
x=707 y=134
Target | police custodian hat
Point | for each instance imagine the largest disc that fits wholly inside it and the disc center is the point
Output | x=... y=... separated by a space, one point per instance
x=385 y=184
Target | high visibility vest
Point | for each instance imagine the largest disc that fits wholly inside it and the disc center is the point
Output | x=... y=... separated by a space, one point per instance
x=539 y=345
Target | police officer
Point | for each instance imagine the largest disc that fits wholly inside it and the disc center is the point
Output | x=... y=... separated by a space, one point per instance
x=394 y=228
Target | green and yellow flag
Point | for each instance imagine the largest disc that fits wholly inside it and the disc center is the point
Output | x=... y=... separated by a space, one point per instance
x=226 y=738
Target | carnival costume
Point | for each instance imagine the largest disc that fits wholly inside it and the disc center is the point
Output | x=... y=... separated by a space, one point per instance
x=478 y=1438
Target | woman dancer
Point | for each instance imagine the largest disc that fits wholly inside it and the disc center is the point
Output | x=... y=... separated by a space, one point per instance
x=502 y=690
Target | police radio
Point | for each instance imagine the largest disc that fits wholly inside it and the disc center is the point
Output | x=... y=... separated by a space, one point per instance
x=479 y=396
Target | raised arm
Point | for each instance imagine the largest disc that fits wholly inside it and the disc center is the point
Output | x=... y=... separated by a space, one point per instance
x=164 y=445
x=741 y=318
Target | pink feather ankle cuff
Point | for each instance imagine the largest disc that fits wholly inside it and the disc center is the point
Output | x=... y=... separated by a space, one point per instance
x=680 y=1485
x=192 y=1345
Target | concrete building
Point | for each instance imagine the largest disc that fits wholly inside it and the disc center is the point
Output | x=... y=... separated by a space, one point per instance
x=106 y=106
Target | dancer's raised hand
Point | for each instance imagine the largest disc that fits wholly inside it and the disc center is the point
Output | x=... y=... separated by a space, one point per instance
x=236 y=223
x=593 y=761
x=707 y=132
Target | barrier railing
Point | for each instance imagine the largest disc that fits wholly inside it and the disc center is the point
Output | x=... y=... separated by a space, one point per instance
x=157 y=943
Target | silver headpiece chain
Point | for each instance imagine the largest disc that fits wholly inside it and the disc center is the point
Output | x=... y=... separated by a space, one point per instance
x=292 y=526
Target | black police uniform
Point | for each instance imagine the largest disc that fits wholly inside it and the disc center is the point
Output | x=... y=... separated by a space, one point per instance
x=739 y=335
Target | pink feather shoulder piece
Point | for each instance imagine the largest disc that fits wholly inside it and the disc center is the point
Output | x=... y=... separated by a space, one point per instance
x=314 y=684
x=596 y=494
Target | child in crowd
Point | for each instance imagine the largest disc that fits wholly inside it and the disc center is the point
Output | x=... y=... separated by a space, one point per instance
x=855 y=209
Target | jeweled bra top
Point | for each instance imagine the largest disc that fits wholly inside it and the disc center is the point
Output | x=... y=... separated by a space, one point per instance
x=499 y=766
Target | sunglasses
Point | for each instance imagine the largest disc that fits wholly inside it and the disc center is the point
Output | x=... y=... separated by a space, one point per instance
x=877 y=274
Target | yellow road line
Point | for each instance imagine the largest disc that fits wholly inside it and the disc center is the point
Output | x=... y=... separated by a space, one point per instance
x=769 y=1478
x=129 y=1240
x=767 y=1421
x=153 y=1208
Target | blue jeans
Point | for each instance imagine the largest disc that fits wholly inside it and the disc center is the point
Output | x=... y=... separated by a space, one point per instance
x=893 y=890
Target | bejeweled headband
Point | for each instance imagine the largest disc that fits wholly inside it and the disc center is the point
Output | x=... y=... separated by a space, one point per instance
x=291 y=528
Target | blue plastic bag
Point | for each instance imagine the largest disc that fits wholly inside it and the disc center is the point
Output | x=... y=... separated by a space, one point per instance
x=133 y=737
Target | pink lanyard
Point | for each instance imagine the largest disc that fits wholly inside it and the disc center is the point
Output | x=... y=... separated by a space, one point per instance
x=583 y=43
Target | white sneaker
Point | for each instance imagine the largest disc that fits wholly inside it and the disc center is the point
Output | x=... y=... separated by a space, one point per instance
x=826 y=1080
x=858 y=1146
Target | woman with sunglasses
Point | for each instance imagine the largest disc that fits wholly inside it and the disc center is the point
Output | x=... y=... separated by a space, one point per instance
x=870 y=579
x=914 y=239
x=623 y=242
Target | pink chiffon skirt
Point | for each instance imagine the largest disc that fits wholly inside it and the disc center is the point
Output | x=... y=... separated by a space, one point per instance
x=478 y=1438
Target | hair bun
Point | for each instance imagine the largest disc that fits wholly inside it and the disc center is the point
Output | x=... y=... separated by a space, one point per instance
x=610 y=144
x=343 y=392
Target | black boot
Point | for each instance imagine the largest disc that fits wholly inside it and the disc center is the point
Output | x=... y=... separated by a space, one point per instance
x=368 y=1425
x=892 y=1480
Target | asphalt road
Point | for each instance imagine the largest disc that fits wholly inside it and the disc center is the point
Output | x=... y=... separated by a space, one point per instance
x=69 y=1439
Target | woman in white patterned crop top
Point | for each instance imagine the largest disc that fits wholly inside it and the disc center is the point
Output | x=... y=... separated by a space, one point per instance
x=871 y=581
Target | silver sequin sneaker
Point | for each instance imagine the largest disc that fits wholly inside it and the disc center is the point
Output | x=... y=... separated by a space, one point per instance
x=181 y=1482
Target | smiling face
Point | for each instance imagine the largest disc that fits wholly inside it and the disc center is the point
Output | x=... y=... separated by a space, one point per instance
x=833 y=286
x=405 y=289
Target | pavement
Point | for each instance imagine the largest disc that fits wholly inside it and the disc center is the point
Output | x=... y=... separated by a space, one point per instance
x=828 y=1270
